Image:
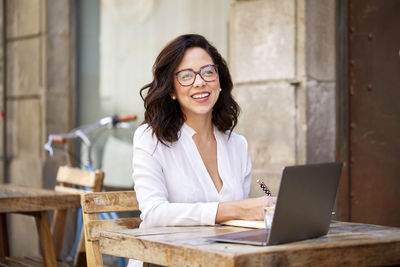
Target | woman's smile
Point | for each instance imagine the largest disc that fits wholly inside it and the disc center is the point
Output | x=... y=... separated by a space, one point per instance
x=201 y=97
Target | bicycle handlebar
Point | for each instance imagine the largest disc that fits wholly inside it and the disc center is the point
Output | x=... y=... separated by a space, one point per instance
x=81 y=132
x=125 y=118
x=59 y=139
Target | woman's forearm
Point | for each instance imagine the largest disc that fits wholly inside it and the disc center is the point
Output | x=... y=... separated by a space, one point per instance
x=248 y=209
x=228 y=211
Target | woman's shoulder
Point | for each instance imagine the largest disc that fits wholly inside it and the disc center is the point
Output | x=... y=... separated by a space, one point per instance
x=142 y=131
x=144 y=138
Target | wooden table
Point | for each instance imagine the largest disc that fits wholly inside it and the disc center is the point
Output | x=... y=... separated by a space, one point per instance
x=34 y=202
x=346 y=244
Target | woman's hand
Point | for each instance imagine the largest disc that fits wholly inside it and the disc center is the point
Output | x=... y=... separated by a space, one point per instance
x=252 y=208
x=248 y=209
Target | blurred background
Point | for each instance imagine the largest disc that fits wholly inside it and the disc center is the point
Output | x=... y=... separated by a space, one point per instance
x=317 y=81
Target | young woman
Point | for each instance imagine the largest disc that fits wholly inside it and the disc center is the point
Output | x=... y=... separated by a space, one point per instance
x=189 y=168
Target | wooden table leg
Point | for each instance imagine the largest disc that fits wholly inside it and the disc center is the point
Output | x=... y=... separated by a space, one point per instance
x=57 y=230
x=45 y=239
x=4 y=249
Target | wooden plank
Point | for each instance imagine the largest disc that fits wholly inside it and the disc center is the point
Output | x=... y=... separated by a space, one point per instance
x=21 y=199
x=109 y=201
x=45 y=239
x=80 y=177
x=57 y=230
x=165 y=254
x=96 y=226
x=93 y=255
x=42 y=203
x=69 y=190
x=14 y=191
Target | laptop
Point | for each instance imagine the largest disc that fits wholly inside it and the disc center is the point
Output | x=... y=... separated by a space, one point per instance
x=303 y=209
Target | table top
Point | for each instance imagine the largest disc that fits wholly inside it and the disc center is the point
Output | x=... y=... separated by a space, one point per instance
x=346 y=243
x=16 y=198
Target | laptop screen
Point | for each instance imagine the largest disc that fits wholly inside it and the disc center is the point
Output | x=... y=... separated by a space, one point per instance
x=303 y=209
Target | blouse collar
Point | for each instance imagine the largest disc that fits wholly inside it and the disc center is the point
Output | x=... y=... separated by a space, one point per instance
x=189 y=131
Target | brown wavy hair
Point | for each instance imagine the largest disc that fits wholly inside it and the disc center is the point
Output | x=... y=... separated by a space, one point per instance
x=163 y=113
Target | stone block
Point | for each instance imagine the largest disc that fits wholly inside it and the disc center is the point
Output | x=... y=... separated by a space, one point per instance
x=24 y=67
x=58 y=112
x=268 y=122
x=11 y=114
x=58 y=17
x=263 y=40
x=58 y=60
x=23 y=17
x=24 y=127
x=320 y=39
x=59 y=82
x=26 y=170
x=321 y=122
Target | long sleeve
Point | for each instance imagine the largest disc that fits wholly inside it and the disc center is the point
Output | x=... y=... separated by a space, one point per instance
x=152 y=195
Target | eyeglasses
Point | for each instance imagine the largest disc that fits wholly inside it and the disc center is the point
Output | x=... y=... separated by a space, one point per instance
x=208 y=73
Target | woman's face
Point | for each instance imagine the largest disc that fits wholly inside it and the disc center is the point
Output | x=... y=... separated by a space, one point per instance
x=200 y=97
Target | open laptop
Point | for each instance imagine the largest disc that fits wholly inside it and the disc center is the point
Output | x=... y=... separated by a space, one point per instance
x=303 y=209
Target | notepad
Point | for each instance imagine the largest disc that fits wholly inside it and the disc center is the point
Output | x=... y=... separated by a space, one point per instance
x=245 y=223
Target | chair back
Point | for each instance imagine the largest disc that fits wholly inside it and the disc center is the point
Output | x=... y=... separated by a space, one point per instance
x=67 y=177
x=100 y=202
x=73 y=180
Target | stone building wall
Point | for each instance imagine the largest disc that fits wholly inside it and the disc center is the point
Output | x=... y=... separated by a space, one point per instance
x=38 y=84
x=282 y=60
x=321 y=81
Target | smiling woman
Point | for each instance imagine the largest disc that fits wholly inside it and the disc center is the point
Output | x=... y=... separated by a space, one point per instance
x=189 y=168
x=179 y=62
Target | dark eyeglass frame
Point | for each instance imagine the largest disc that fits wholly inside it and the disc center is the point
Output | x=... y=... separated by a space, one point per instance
x=215 y=66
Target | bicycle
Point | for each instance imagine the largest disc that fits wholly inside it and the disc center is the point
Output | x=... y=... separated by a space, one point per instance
x=82 y=134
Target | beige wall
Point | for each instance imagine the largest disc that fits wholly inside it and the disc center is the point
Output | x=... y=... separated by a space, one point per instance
x=38 y=98
x=282 y=60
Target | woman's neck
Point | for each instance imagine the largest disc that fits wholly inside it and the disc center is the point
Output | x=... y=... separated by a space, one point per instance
x=203 y=127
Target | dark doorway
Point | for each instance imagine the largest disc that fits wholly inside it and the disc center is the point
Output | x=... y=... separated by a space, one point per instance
x=369 y=108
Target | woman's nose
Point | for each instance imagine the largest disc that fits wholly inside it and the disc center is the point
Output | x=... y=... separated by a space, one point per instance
x=198 y=80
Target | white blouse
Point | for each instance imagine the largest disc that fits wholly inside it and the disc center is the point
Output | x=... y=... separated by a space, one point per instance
x=172 y=184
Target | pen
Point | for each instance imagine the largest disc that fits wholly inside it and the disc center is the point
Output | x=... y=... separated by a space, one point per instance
x=264 y=187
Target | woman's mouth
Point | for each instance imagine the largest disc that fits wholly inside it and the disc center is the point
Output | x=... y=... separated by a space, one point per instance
x=201 y=95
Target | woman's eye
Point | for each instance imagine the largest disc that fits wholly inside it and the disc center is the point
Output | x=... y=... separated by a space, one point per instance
x=186 y=76
x=208 y=72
